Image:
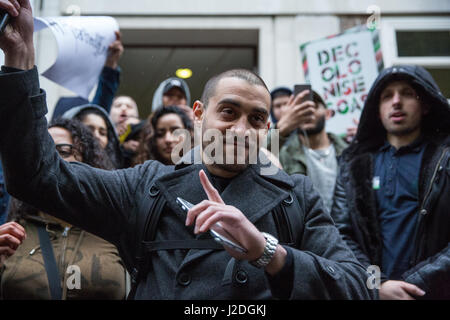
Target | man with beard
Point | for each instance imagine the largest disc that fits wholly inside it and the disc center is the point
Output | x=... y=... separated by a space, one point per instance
x=169 y=253
x=312 y=151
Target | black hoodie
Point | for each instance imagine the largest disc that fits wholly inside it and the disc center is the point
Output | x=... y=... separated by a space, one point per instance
x=371 y=134
x=355 y=210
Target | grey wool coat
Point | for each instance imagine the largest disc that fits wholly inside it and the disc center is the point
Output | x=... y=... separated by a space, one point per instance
x=109 y=204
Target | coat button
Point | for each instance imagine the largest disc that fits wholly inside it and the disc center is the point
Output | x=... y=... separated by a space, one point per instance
x=423 y=212
x=330 y=268
x=153 y=191
x=241 y=277
x=184 y=279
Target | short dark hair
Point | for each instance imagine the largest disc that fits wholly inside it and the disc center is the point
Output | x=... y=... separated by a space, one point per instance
x=317 y=98
x=244 y=74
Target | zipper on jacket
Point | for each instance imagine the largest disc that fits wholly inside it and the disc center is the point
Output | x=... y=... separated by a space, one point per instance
x=33 y=251
x=423 y=212
x=64 y=237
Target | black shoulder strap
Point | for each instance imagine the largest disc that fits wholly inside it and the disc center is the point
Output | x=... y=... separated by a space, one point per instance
x=182 y=244
x=54 y=279
x=288 y=220
x=146 y=231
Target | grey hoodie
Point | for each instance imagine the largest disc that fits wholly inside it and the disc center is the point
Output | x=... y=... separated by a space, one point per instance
x=157 y=101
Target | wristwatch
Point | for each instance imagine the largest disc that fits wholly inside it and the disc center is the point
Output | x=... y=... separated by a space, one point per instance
x=269 y=251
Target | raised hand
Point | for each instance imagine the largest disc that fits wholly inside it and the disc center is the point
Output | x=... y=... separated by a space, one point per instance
x=295 y=113
x=115 y=51
x=208 y=212
x=351 y=131
x=12 y=235
x=17 y=39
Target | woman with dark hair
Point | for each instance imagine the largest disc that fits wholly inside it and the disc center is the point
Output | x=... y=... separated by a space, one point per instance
x=98 y=121
x=158 y=138
x=85 y=266
x=88 y=146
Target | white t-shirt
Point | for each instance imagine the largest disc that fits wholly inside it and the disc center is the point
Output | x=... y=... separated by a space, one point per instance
x=322 y=168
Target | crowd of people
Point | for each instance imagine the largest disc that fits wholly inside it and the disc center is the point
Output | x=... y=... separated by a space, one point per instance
x=81 y=191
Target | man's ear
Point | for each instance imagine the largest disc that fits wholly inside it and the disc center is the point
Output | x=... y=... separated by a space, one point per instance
x=328 y=114
x=199 y=110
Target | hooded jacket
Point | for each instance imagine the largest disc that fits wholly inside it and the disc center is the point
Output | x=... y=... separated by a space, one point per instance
x=157 y=101
x=113 y=148
x=355 y=209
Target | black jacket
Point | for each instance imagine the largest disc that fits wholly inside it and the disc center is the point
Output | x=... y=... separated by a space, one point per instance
x=111 y=203
x=354 y=209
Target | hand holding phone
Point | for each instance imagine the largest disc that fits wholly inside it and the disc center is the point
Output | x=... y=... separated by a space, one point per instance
x=298 y=88
x=217 y=232
x=4 y=19
x=300 y=106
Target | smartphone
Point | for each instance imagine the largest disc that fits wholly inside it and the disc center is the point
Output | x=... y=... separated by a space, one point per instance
x=219 y=234
x=302 y=87
x=4 y=19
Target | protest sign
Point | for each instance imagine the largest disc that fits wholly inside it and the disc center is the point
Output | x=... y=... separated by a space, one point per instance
x=342 y=68
x=82 y=49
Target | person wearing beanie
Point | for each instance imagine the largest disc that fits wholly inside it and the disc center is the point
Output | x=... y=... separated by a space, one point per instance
x=280 y=97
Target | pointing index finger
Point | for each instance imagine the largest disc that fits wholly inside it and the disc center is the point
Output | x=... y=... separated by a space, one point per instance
x=211 y=192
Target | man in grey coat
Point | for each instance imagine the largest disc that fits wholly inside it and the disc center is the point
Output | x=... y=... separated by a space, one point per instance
x=113 y=204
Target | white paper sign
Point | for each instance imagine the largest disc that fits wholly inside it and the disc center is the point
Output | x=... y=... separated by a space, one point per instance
x=82 y=48
x=342 y=69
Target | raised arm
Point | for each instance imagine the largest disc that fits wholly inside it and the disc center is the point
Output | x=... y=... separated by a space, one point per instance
x=110 y=77
x=96 y=200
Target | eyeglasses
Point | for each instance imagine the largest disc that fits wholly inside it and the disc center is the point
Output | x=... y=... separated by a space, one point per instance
x=65 y=150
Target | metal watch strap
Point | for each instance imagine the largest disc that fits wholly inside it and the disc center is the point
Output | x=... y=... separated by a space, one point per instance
x=269 y=251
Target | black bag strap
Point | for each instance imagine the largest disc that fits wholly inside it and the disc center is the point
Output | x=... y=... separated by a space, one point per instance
x=54 y=279
x=287 y=218
x=182 y=244
x=146 y=231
